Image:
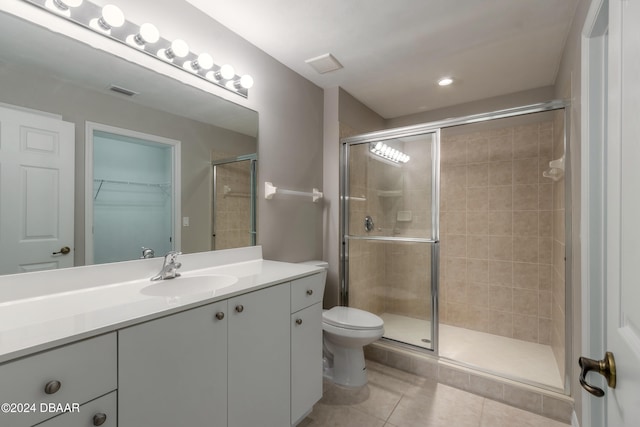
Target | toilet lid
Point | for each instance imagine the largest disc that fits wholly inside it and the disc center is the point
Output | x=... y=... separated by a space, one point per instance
x=351 y=318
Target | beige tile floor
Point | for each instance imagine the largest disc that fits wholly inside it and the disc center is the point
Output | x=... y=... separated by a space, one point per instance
x=394 y=398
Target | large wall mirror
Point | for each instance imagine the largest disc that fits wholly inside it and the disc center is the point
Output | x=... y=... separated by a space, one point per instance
x=67 y=81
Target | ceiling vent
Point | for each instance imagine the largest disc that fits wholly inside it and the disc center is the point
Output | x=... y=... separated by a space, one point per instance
x=122 y=90
x=324 y=63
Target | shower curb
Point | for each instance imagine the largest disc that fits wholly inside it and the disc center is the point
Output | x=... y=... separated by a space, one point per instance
x=543 y=402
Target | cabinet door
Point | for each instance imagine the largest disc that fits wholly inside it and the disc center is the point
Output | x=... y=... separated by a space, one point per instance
x=306 y=360
x=99 y=412
x=259 y=352
x=173 y=371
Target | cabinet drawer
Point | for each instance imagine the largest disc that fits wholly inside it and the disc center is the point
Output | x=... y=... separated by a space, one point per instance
x=100 y=412
x=84 y=370
x=307 y=291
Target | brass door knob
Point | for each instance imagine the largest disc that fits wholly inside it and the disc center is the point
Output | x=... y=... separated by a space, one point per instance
x=298 y=321
x=605 y=367
x=219 y=315
x=99 y=419
x=309 y=291
x=52 y=387
x=239 y=308
x=63 y=250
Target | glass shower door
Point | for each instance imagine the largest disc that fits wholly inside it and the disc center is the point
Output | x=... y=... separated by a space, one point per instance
x=234 y=203
x=390 y=222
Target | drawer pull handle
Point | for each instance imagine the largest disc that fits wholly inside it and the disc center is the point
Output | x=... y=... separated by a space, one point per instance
x=309 y=291
x=99 y=419
x=239 y=308
x=52 y=387
x=219 y=315
x=298 y=321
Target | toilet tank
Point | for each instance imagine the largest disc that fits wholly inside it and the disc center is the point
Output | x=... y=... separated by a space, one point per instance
x=318 y=263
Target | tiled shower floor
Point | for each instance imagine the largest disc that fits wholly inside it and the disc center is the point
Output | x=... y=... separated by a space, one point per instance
x=500 y=355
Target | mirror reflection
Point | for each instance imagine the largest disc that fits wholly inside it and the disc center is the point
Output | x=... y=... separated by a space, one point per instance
x=54 y=79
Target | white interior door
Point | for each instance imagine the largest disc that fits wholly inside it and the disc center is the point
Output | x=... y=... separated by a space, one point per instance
x=36 y=192
x=623 y=213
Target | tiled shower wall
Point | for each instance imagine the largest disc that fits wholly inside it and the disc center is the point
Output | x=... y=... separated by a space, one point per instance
x=497 y=231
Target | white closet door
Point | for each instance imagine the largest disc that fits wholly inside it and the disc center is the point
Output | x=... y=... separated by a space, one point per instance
x=36 y=192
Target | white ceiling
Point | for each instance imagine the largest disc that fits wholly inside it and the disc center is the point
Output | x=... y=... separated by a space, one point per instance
x=394 y=51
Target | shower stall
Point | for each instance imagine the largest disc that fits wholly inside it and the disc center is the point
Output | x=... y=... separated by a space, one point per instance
x=454 y=232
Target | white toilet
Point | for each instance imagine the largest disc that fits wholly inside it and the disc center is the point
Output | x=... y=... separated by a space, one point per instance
x=346 y=330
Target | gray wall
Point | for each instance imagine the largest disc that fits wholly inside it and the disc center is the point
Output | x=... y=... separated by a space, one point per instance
x=343 y=115
x=290 y=109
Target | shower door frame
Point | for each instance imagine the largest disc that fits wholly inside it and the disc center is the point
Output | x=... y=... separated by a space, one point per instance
x=437 y=126
x=253 y=159
x=435 y=218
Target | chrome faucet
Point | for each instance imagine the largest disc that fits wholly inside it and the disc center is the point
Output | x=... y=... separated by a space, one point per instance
x=147 y=253
x=169 y=267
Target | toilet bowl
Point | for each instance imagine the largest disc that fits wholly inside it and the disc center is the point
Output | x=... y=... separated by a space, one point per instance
x=346 y=330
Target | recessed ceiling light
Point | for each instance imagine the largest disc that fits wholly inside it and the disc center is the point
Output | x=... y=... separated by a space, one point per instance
x=445 y=81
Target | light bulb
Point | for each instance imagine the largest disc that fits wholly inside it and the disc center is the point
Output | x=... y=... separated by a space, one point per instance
x=66 y=4
x=246 y=81
x=227 y=72
x=62 y=6
x=148 y=34
x=179 y=49
x=112 y=17
x=378 y=145
x=204 y=62
x=445 y=81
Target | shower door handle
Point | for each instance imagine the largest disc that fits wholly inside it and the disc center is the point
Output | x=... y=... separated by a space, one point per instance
x=605 y=367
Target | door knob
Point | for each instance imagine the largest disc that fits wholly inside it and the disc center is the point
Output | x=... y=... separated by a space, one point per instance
x=605 y=367
x=63 y=250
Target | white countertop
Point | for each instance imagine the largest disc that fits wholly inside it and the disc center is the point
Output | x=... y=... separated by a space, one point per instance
x=48 y=309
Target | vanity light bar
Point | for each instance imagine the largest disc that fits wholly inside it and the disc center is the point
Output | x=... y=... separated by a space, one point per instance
x=383 y=150
x=110 y=22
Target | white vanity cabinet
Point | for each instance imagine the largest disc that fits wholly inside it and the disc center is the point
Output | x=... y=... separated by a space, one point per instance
x=306 y=344
x=172 y=371
x=71 y=374
x=259 y=368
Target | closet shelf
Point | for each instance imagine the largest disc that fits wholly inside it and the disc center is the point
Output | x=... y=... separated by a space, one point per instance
x=161 y=186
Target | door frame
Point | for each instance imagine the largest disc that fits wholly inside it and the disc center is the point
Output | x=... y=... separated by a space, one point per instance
x=175 y=145
x=594 y=80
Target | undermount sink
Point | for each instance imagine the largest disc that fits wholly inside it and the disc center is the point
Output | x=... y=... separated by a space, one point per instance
x=188 y=285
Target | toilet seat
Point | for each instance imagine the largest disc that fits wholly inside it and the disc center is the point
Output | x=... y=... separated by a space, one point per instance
x=351 y=318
